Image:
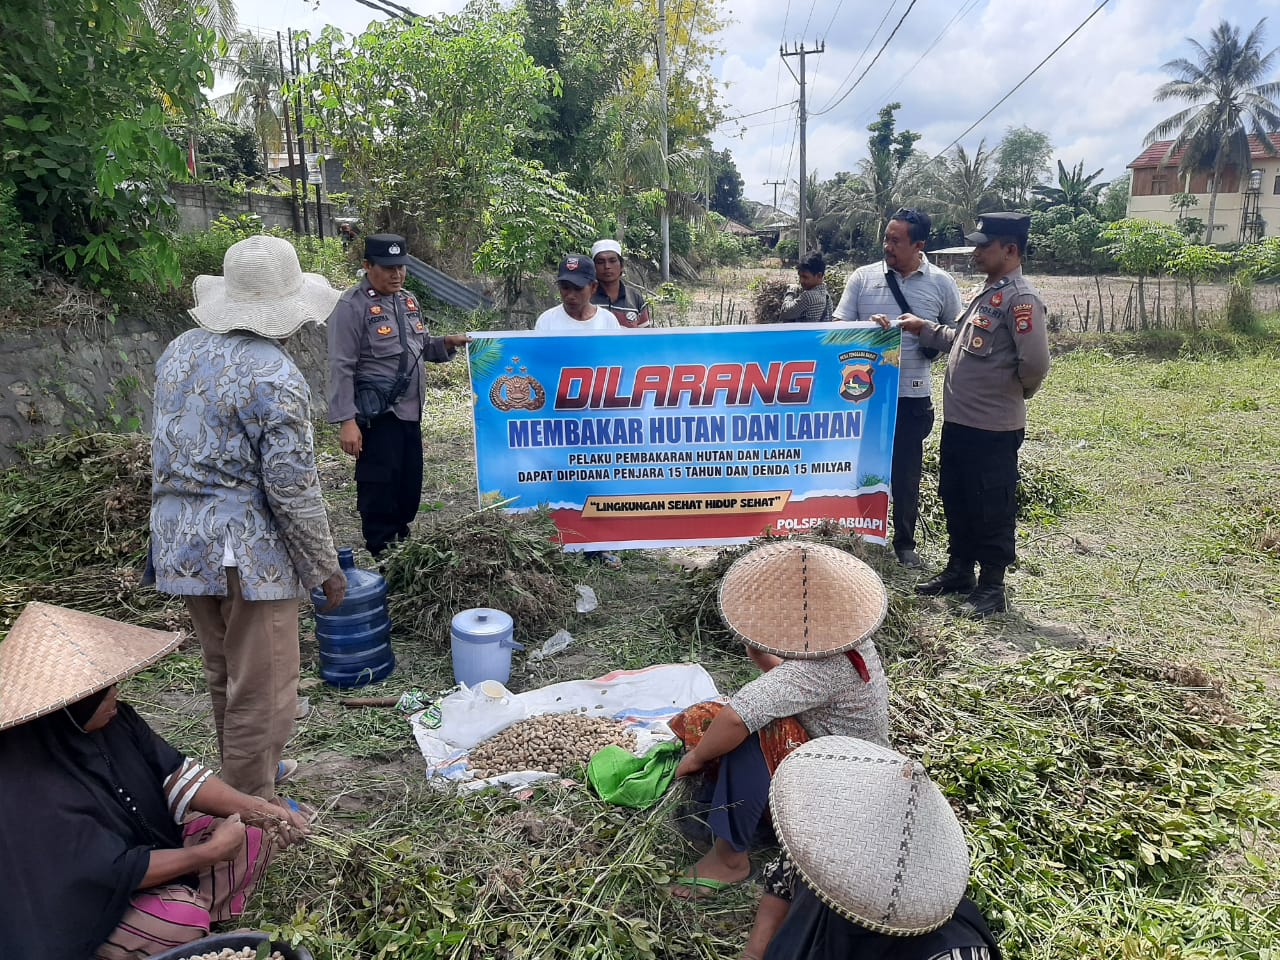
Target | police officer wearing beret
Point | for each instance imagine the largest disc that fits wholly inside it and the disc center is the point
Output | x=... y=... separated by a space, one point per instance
x=377 y=343
x=998 y=357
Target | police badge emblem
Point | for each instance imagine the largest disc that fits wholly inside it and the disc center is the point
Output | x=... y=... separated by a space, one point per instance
x=513 y=391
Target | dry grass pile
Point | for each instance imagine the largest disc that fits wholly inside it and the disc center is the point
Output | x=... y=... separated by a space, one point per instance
x=74 y=522
x=513 y=562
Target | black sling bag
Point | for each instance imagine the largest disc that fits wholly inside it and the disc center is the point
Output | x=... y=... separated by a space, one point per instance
x=929 y=352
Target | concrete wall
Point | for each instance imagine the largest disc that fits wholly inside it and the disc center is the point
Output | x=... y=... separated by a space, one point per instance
x=97 y=376
x=200 y=204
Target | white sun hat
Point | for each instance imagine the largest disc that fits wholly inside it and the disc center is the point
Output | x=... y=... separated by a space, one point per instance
x=870 y=833
x=262 y=290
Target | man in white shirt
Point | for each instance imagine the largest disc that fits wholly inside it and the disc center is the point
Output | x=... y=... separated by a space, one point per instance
x=576 y=280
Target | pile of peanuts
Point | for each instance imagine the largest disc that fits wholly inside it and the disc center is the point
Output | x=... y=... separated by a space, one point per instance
x=553 y=741
x=244 y=953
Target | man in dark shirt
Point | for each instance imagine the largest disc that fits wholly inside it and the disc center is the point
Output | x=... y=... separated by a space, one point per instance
x=625 y=303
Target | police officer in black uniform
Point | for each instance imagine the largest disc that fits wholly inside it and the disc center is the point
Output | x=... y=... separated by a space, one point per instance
x=377 y=343
x=998 y=357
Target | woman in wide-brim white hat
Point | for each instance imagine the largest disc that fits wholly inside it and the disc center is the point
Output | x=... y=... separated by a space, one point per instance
x=884 y=867
x=262 y=290
x=114 y=845
x=806 y=612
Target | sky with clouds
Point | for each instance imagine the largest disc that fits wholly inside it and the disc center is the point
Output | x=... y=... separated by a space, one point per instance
x=948 y=63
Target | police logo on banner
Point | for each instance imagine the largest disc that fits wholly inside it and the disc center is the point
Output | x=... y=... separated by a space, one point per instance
x=513 y=391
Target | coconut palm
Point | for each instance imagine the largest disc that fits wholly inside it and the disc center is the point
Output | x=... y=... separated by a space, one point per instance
x=964 y=186
x=219 y=14
x=1074 y=190
x=254 y=65
x=1230 y=98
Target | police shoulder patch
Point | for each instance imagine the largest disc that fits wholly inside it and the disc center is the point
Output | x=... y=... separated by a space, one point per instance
x=1022 y=314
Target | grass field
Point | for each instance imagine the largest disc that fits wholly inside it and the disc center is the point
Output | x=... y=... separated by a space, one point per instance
x=1111 y=745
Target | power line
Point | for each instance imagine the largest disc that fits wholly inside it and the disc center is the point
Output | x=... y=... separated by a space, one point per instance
x=969 y=129
x=756 y=113
x=960 y=14
x=870 y=40
x=834 y=14
x=888 y=39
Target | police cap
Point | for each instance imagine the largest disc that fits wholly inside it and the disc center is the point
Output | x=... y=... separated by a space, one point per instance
x=992 y=225
x=386 y=249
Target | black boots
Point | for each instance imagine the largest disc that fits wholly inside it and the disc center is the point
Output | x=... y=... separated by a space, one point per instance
x=985 y=601
x=956 y=578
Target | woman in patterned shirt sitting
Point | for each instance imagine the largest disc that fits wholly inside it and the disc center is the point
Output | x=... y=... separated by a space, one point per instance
x=806 y=613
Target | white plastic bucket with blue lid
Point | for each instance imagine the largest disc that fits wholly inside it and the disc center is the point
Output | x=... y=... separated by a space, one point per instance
x=481 y=642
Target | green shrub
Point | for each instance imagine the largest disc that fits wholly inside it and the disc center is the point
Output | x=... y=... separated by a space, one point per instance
x=1240 y=314
x=787 y=250
x=17 y=253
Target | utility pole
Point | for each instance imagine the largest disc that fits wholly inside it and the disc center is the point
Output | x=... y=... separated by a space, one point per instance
x=775 y=184
x=302 y=146
x=800 y=51
x=315 y=148
x=666 y=174
x=288 y=140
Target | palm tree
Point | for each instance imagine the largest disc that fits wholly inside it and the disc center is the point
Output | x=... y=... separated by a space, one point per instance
x=1228 y=102
x=254 y=64
x=218 y=14
x=1074 y=190
x=965 y=186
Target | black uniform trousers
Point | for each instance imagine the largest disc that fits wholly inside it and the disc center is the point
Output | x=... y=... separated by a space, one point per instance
x=915 y=420
x=978 y=483
x=388 y=479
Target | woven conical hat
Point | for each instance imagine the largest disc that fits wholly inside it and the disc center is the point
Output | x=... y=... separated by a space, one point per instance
x=802 y=600
x=54 y=656
x=871 y=834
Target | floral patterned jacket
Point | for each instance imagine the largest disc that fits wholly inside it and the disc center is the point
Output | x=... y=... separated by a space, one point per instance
x=233 y=461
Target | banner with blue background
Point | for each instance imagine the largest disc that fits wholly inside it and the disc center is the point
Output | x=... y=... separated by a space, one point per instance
x=688 y=436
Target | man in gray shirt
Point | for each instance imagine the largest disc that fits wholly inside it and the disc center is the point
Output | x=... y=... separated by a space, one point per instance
x=927 y=291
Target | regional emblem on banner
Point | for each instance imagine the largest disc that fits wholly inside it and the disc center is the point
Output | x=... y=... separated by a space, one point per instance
x=517 y=391
x=857 y=379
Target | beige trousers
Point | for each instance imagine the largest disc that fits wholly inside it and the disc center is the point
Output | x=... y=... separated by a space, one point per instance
x=251 y=664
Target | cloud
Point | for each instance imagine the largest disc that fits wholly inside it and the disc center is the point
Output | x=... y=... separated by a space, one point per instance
x=1093 y=98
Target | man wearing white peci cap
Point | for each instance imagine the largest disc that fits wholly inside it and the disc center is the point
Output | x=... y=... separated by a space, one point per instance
x=624 y=302
x=238 y=526
x=882 y=872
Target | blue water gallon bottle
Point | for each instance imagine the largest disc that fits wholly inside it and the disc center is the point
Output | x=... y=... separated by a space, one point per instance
x=480 y=639
x=355 y=639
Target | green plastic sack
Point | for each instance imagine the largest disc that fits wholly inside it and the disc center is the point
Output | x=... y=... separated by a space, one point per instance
x=621 y=777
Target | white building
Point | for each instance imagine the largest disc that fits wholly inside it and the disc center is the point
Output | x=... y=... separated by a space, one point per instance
x=1248 y=207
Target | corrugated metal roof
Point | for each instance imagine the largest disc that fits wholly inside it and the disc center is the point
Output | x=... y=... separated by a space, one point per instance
x=451 y=291
x=1154 y=154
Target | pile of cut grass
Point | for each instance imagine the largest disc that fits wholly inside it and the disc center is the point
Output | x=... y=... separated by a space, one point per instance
x=74 y=519
x=514 y=562
x=1092 y=779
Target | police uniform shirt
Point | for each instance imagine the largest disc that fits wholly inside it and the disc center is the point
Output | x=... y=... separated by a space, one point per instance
x=364 y=340
x=999 y=356
x=932 y=294
x=630 y=308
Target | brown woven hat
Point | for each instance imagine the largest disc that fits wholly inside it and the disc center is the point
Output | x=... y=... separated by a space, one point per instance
x=54 y=656
x=802 y=600
x=871 y=834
